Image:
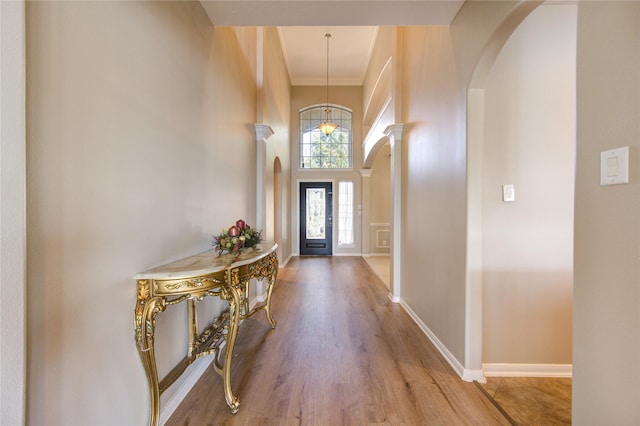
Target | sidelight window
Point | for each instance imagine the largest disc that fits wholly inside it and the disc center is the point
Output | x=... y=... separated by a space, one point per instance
x=345 y=213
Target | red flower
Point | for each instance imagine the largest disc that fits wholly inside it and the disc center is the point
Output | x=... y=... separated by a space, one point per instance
x=234 y=231
x=240 y=223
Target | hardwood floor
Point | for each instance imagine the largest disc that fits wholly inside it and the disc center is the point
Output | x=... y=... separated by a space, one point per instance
x=532 y=400
x=381 y=266
x=341 y=354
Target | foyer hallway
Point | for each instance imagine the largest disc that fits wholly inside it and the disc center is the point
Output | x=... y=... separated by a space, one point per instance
x=341 y=354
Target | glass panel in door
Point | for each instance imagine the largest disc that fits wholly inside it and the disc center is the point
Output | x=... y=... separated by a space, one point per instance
x=316 y=218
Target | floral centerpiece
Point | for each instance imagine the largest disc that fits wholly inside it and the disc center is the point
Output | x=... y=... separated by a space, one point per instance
x=238 y=236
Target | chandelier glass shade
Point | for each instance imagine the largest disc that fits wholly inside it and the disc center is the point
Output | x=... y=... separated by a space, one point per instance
x=327 y=126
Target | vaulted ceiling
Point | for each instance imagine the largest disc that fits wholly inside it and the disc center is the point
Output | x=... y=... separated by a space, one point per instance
x=353 y=24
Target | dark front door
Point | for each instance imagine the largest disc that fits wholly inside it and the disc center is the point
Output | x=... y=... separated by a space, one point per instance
x=316 y=218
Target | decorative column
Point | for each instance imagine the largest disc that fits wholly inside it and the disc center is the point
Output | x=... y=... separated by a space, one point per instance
x=364 y=210
x=394 y=133
x=263 y=132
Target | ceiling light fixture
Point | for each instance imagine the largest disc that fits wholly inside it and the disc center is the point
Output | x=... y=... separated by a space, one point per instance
x=327 y=127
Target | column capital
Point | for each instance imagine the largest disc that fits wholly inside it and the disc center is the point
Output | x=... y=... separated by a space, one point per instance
x=394 y=132
x=263 y=132
x=365 y=173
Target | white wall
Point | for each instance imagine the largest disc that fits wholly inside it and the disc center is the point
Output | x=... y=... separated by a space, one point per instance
x=606 y=337
x=529 y=141
x=139 y=149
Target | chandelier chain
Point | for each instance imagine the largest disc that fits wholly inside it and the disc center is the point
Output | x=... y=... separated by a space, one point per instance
x=328 y=36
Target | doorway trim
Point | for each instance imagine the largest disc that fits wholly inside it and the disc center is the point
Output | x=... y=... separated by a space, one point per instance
x=394 y=133
x=473 y=368
x=279 y=208
x=262 y=133
x=296 y=219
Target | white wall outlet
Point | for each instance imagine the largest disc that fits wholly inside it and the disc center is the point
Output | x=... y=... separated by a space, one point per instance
x=614 y=166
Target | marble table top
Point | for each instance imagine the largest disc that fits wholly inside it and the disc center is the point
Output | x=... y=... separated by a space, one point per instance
x=207 y=262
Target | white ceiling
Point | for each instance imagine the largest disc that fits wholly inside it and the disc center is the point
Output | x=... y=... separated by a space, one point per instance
x=352 y=25
x=305 y=51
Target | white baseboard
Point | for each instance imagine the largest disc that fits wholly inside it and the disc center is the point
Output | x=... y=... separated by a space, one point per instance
x=193 y=374
x=283 y=264
x=191 y=377
x=488 y=370
x=528 y=370
x=395 y=299
x=469 y=375
x=260 y=297
x=376 y=255
x=453 y=362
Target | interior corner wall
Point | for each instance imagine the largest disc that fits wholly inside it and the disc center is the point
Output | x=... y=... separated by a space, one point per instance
x=138 y=150
x=606 y=304
x=530 y=143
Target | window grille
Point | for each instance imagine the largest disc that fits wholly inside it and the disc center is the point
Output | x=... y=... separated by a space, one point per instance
x=319 y=151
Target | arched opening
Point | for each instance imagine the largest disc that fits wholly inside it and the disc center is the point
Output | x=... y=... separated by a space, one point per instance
x=278 y=208
x=521 y=132
x=379 y=214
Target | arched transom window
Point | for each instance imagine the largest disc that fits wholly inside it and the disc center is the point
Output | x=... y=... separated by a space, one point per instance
x=319 y=151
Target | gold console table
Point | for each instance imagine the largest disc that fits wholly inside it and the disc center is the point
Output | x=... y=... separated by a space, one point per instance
x=191 y=279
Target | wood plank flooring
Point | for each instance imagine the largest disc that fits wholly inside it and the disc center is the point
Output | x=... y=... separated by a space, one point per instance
x=532 y=400
x=341 y=354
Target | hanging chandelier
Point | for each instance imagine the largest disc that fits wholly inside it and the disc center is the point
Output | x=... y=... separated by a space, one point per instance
x=327 y=126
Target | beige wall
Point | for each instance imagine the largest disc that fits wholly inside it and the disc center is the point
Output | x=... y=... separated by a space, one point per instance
x=380 y=203
x=529 y=141
x=276 y=101
x=140 y=147
x=12 y=214
x=305 y=96
x=606 y=303
x=116 y=86
x=434 y=189
x=380 y=178
x=376 y=87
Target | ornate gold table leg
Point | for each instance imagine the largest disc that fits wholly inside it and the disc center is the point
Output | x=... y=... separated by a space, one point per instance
x=271 y=280
x=144 y=323
x=232 y=294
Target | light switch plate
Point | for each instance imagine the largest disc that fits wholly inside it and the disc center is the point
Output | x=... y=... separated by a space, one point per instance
x=614 y=166
x=508 y=192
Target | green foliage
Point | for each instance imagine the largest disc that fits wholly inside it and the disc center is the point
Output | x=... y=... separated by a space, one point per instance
x=326 y=152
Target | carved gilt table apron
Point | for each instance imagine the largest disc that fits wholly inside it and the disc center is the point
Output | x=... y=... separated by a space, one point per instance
x=191 y=279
